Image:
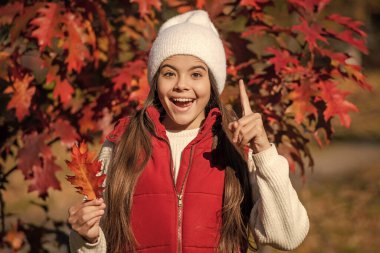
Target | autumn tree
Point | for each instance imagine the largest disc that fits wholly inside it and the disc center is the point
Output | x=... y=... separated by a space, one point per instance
x=69 y=69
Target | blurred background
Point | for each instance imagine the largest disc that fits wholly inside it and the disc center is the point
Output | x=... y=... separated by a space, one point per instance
x=341 y=192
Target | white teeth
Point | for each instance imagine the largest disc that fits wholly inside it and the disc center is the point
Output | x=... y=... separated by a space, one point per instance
x=183 y=99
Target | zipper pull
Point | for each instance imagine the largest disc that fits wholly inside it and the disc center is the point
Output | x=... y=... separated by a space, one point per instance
x=179 y=200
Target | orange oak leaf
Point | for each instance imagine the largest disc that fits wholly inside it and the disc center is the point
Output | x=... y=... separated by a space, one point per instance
x=65 y=131
x=22 y=96
x=301 y=105
x=336 y=103
x=44 y=178
x=354 y=25
x=75 y=43
x=21 y=21
x=48 y=24
x=86 y=169
x=334 y=56
x=127 y=73
x=142 y=91
x=312 y=33
x=63 y=90
x=86 y=122
x=348 y=36
x=145 y=5
x=281 y=59
x=31 y=153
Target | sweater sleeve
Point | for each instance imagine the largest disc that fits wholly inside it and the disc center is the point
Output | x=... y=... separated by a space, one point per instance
x=77 y=243
x=277 y=218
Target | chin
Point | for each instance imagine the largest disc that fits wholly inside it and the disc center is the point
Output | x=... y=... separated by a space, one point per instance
x=182 y=121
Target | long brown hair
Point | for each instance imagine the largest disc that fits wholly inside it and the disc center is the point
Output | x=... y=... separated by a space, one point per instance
x=126 y=167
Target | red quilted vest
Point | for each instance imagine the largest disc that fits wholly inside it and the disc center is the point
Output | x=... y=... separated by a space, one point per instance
x=182 y=217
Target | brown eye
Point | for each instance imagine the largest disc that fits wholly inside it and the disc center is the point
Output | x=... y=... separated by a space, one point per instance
x=168 y=74
x=197 y=75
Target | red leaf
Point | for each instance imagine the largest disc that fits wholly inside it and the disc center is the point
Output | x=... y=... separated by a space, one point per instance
x=75 y=43
x=85 y=169
x=126 y=74
x=336 y=103
x=63 y=90
x=33 y=150
x=335 y=56
x=65 y=131
x=354 y=25
x=22 y=96
x=48 y=24
x=301 y=105
x=21 y=21
x=44 y=178
x=312 y=33
x=348 y=36
x=281 y=59
x=86 y=123
x=146 y=5
x=142 y=92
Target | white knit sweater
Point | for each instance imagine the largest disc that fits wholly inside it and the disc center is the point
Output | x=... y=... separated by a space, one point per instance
x=277 y=218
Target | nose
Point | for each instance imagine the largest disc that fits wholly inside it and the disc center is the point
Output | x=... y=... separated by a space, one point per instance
x=181 y=84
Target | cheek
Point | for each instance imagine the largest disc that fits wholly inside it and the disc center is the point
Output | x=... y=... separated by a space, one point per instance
x=204 y=91
x=161 y=90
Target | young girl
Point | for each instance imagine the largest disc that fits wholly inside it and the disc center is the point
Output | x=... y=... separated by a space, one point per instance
x=184 y=174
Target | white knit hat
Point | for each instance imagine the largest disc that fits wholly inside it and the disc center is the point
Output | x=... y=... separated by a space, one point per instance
x=190 y=33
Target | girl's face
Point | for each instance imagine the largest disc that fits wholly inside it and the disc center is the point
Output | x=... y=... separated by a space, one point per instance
x=184 y=90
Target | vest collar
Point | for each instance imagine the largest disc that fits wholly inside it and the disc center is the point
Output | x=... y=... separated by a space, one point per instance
x=205 y=130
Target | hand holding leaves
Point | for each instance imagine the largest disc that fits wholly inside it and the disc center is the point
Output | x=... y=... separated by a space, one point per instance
x=249 y=129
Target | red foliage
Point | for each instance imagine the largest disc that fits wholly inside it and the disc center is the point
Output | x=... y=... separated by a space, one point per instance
x=72 y=70
x=77 y=69
x=44 y=178
x=30 y=155
x=22 y=96
x=69 y=68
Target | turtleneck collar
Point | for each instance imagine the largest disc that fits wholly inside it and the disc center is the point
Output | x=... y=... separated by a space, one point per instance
x=205 y=130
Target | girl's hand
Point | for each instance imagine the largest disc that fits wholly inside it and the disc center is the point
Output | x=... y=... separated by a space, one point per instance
x=84 y=218
x=249 y=130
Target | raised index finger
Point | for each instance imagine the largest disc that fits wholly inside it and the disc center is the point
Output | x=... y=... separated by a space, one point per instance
x=244 y=100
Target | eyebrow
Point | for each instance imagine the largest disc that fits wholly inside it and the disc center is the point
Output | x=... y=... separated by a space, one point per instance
x=193 y=67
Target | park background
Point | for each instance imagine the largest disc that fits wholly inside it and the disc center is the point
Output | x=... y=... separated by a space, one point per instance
x=341 y=192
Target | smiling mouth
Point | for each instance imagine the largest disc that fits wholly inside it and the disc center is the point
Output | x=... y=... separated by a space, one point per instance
x=182 y=102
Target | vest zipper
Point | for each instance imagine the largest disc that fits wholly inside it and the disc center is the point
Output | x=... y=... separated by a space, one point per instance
x=180 y=202
x=179 y=195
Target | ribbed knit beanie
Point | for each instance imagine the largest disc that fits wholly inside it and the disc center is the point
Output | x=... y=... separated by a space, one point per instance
x=190 y=33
